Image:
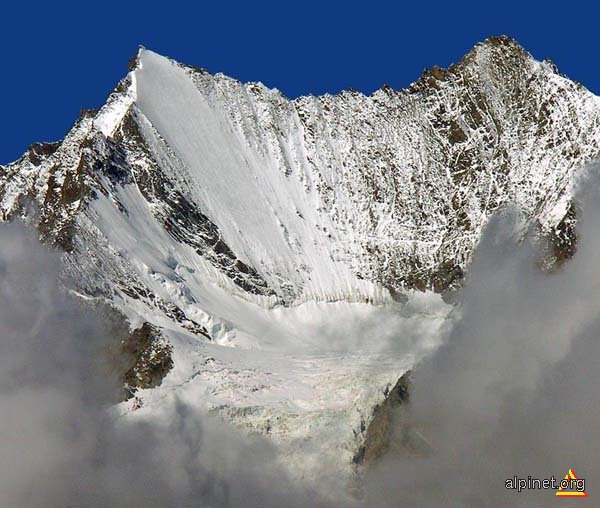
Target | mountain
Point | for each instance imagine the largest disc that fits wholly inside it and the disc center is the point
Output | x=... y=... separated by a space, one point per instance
x=282 y=263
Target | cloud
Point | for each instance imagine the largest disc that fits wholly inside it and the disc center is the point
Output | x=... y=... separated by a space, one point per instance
x=60 y=446
x=515 y=389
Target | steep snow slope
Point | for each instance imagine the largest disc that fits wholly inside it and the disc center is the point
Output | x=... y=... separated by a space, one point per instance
x=281 y=246
x=270 y=218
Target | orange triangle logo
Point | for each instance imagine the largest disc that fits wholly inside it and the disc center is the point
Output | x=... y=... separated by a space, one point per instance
x=569 y=482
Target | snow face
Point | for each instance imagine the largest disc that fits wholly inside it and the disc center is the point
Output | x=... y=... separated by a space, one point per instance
x=268 y=218
x=390 y=187
x=272 y=241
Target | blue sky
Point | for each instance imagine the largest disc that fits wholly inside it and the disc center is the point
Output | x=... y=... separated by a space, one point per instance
x=59 y=57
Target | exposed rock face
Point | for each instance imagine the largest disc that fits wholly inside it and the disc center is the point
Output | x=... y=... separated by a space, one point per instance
x=202 y=207
x=379 y=431
x=559 y=244
x=138 y=358
x=150 y=359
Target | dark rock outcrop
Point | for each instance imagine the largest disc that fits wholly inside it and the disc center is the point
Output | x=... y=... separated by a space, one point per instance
x=378 y=433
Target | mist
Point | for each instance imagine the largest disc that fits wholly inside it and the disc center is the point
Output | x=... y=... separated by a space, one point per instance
x=60 y=444
x=515 y=389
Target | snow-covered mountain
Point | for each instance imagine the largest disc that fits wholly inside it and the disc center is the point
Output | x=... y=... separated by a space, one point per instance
x=288 y=256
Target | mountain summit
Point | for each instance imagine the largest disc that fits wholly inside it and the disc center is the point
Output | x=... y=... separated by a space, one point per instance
x=261 y=242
